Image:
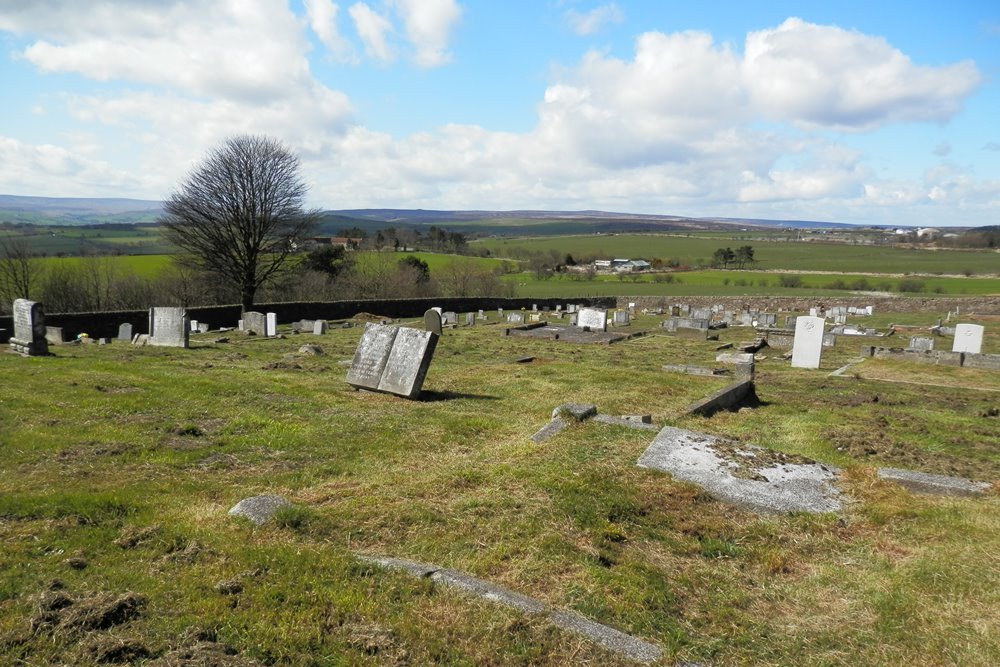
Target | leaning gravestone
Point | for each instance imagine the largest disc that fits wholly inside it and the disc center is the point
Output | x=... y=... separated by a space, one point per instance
x=594 y=319
x=807 y=348
x=968 y=338
x=125 y=332
x=29 y=329
x=432 y=321
x=168 y=327
x=255 y=323
x=392 y=359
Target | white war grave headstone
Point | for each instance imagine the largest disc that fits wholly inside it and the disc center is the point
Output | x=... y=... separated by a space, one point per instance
x=29 y=329
x=168 y=327
x=271 y=325
x=807 y=347
x=392 y=359
x=968 y=338
x=594 y=319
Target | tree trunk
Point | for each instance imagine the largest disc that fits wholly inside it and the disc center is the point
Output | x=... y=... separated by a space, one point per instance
x=247 y=294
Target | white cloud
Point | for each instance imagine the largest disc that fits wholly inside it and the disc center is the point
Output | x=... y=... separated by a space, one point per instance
x=23 y=167
x=428 y=26
x=322 y=15
x=374 y=30
x=588 y=23
x=824 y=76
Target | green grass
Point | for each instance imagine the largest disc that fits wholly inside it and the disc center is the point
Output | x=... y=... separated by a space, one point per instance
x=694 y=250
x=105 y=446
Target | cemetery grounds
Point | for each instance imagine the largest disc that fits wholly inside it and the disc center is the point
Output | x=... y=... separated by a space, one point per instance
x=118 y=465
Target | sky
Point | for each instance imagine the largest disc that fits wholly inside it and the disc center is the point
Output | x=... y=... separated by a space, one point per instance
x=863 y=112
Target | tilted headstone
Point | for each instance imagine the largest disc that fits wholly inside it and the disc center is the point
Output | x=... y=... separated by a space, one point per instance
x=255 y=323
x=29 y=329
x=392 y=359
x=968 y=338
x=168 y=327
x=125 y=331
x=432 y=321
x=807 y=348
x=921 y=344
x=593 y=318
x=320 y=327
x=271 y=324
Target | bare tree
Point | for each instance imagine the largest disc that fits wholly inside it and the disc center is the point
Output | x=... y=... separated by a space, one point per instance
x=19 y=270
x=240 y=213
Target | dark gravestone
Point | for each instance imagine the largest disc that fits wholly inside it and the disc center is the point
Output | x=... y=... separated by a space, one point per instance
x=29 y=329
x=254 y=322
x=392 y=359
x=432 y=321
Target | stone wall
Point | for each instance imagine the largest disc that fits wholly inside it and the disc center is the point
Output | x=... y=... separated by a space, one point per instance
x=978 y=305
x=105 y=325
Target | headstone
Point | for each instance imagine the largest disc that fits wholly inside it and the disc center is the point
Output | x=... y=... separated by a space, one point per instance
x=535 y=316
x=968 y=338
x=125 y=331
x=255 y=323
x=593 y=318
x=470 y=319
x=54 y=335
x=534 y=307
x=392 y=359
x=239 y=324
x=921 y=344
x=481 y=315
x=573 y=319
x=807 y=348
x=702 y=314
x=271 y=325
x=439 y=309
x=203 y=327
x=432 y=321
x=449 y=318
x=194 y=326
x=168 y=327
x=320 y=327
x=813 y=312
x=621 y=318
x=515 y=317
x=767 y=319
x=29 y=329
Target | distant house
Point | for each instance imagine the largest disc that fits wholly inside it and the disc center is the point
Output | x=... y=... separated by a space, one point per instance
x=928 y=233
x=620 y=265
x=602 y=264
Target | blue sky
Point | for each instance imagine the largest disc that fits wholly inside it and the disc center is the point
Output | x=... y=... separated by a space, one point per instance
x=873 y=112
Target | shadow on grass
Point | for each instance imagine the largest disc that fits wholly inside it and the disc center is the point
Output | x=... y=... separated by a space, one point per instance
x=428 y=396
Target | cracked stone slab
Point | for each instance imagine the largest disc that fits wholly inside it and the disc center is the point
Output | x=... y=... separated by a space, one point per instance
x=611 y=639
x=746 y=475
x=414 y=568
x=550 y=430
x=631 y=421
x=924 y=482
x=259 y=509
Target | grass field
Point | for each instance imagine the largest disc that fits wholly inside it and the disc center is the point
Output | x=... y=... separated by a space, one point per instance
x=121 y=462
x=694 y=250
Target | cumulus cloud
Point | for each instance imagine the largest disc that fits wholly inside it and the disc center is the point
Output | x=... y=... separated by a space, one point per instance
x=428 y=26
x=588 y=23
x=374 y=30
x=23 y=166
x=322 y=15
x=824 y=76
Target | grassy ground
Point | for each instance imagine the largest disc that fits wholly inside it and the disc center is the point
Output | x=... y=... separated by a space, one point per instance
x=120 y=464
x=695 y=250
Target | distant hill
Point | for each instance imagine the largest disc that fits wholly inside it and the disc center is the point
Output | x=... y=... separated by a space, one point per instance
x=84 y=211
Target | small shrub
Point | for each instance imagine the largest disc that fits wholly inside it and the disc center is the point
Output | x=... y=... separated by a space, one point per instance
x=790 y=281
x=911 y=285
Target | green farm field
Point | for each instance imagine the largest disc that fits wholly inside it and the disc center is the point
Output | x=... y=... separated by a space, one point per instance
x=121 y=462
x=770 y=255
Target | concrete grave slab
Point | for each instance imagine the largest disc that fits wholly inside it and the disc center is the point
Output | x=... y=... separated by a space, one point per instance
x=745 y=475
x=941 y=485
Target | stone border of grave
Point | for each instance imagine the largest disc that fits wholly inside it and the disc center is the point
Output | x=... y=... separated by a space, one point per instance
x=613 y=640
x=742 y=393
x=568 y=413
x=939 y=357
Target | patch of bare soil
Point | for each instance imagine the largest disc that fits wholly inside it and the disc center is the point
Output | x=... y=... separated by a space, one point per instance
x=113 y=649
x=376 y=640
x=57 y=611
x=282 y=365
x=203 y=653
x=131 y=537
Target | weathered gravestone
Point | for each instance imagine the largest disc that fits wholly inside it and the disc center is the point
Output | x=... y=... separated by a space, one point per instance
x=29 y=329
x=594 y=319
x=271 y=324
x=432 y=321
x=621 y=318
x=470 y=319
x=515 y=317
x=807 y=348
x=54 y=335
x=168 y=327
x=392 y=359
x=921 y=344
x=194 y=326
x=125 y=331
x=968 y=338
x=255 y=323
x=320 y=327
x=203 y=327
x=449 y=317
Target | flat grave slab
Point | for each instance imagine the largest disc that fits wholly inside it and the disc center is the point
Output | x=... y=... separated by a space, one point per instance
x=749 y=476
